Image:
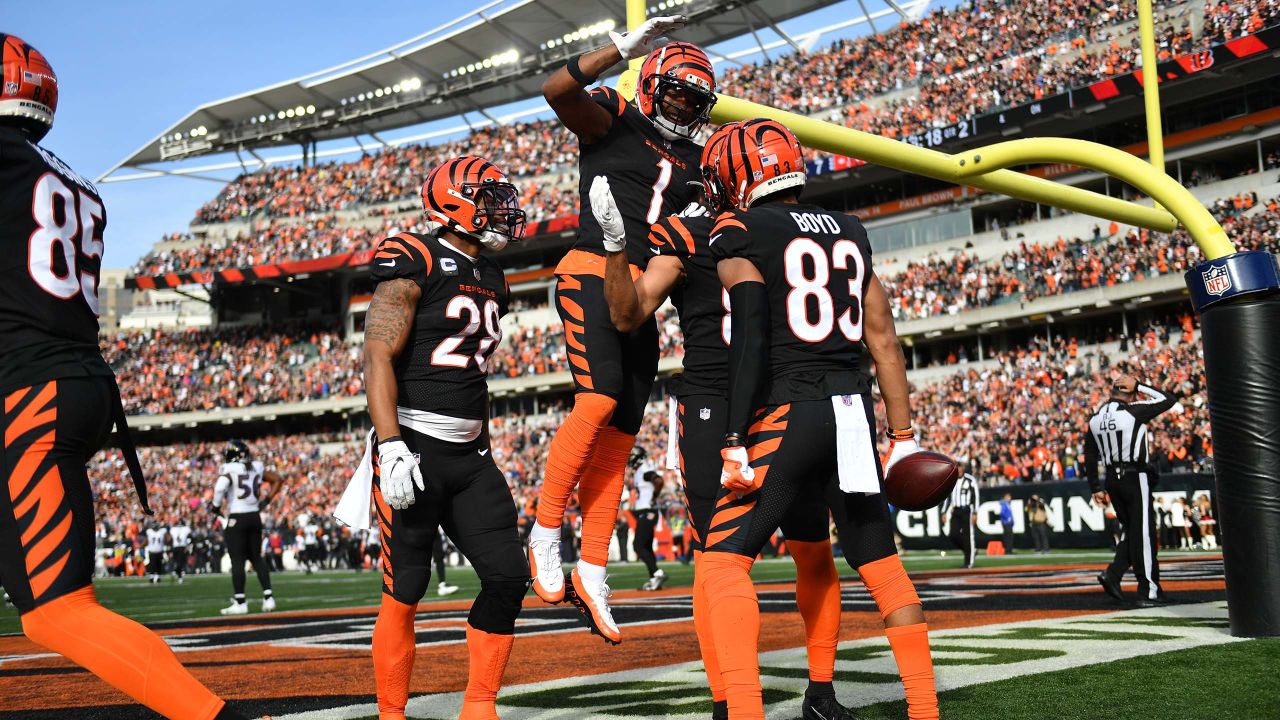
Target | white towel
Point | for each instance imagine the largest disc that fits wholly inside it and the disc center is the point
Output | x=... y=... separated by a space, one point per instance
x=673 y=434
x=855 y=455
x=354 y=506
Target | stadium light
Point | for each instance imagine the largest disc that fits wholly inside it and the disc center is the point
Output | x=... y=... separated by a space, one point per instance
x=582 y=33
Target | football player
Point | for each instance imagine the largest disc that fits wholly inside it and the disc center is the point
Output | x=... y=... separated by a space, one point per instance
x=683 y=270
x=180 y=541
x=156 y=536
x=60 y=403
x=647 y=151
x=431 y=328
x=805 y=305
x=239 y=484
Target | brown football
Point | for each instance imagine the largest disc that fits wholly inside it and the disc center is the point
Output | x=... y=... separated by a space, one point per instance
x=921 y=480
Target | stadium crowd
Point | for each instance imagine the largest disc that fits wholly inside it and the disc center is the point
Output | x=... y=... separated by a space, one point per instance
x=1017 y=419
x=948 y=284
x=193 y=369
x=965 y=60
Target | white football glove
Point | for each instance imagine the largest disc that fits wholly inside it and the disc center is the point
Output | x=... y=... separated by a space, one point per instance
x=605 y=209
x=644 y=39
x=398 y=472
x=736 y=473
x=898 y=449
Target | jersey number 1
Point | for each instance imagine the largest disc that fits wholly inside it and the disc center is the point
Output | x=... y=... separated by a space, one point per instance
x=659 y=187
x=81 y=215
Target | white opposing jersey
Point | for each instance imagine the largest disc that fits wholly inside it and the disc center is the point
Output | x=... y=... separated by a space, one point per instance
x=242 y=484
x=155 y=540
x=180 y=536
x=644 y=488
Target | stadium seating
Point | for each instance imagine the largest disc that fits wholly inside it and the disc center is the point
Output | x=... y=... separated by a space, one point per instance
x=951 y=64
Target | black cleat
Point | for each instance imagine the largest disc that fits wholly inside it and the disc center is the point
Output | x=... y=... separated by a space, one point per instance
x=826 y=708
x=1111 y=586
x=1160 y=601
x=719 y=710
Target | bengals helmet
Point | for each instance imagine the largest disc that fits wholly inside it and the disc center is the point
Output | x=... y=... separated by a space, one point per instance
x=713 y=193
x=677 y=89
x=29 y=93
x=471 y=196
x=759 y=158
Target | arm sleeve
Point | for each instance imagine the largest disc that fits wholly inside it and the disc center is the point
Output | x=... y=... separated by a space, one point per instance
x=1091 y=455
x=609 y=99
x=748 y=352
x=1156 y=402
x=402 y=256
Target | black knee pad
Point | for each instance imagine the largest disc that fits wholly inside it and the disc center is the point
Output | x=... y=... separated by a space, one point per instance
x=496 y=607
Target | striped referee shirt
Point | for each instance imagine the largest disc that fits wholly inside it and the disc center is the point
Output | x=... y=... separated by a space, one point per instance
x=964 y=495
x=1118 y=433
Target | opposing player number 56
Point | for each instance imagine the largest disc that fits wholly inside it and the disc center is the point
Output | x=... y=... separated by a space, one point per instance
x=81 y=215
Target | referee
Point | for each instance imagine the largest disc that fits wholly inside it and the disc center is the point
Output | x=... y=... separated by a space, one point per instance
x=1118 y=438
x=959 y=508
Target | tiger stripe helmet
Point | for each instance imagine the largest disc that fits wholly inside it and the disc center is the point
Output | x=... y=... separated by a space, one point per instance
x=471 y=196
x=29 y=91
x=759 y=158
x=713 y=192
x=677 y=89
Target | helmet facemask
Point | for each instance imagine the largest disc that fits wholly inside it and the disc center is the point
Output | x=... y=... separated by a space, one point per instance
x=680 y=107
x=498 y=219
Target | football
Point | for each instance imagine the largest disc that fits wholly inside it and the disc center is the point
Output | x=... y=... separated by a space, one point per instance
x=921 y=480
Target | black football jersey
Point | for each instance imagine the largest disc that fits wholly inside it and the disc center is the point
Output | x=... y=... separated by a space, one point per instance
x=816 y=266
x=648 y=174
x=701 y=301
x=455 y=330
x=51 y=228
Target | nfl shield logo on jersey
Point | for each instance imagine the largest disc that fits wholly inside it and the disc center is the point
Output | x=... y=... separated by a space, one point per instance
x=1216 y=280
x=704 y=414
x=476 y=272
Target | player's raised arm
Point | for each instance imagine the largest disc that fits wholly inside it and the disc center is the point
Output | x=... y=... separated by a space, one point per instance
x=566 y=88
x=631 y=302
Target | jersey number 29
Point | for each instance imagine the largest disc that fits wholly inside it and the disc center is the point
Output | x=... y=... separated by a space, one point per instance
x=444 y=355
x=81 y=216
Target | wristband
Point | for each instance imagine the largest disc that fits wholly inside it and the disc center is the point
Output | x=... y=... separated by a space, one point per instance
x=733 y=440
x=905 y=434
x=393 y=438
x=575 y=71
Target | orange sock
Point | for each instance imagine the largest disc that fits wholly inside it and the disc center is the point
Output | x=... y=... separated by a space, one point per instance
x=570 y=453
x=393 y=650
x=910 y=644
x=489 y=654
x=123 y=653
x=735 y=622
x=702 y=625
x=888 y=584
x=818 y=597
x=600 y=491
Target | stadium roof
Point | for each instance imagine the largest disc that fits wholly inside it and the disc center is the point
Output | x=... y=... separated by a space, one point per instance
x=495 y=55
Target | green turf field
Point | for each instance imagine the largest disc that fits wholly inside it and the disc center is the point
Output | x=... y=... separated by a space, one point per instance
x=1236 y=681
x=203 y=595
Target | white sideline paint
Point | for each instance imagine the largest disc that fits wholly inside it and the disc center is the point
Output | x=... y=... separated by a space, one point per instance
x=687 y=681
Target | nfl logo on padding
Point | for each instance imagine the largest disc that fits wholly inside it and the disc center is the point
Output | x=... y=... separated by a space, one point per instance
x=1216 y=280
x=704 y=414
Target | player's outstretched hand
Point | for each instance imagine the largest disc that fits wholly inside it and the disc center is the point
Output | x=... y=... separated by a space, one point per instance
x=736 y=473
x=900 y=447
x=399 y=472
x=644 y=39
x=605 y=209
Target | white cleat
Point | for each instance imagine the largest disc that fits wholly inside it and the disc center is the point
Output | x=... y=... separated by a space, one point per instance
x=444 y=589
x=548 y=575
x=658 y=580
x=237 y=608
x=592 y=600
x=268 y=604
